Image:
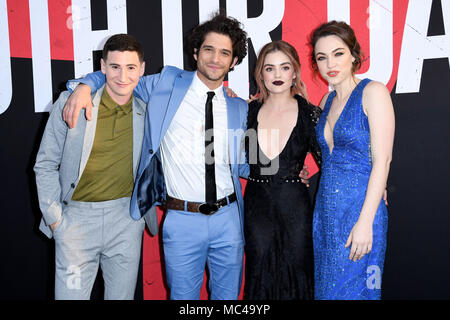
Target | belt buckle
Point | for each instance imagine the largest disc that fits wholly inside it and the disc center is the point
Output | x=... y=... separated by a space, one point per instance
x=208 y=208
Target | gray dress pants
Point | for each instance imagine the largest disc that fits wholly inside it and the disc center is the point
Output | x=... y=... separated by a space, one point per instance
x=93 y=234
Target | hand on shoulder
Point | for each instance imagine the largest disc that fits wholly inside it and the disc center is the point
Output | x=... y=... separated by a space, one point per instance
x=79 y=99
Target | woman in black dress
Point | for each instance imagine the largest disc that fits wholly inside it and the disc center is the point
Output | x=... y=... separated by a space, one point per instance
x=278 y=209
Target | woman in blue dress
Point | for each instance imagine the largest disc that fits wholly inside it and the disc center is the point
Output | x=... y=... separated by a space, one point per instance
x=355 y=133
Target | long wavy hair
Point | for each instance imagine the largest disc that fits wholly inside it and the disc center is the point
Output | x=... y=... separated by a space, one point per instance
x=298 y=86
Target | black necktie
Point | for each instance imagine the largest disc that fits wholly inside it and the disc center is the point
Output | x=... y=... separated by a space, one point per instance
x=210 y=170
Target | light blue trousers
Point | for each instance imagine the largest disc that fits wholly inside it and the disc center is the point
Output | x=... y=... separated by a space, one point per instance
x=192 y=240
x=93 y=234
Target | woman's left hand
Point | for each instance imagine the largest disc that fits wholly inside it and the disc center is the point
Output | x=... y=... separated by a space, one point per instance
x=361 y=239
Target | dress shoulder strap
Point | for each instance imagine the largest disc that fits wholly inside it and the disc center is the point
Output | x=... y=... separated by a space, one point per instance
x=361 y=86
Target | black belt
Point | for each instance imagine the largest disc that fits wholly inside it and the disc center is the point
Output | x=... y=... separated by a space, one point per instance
x=202 y=207
x=269 y=179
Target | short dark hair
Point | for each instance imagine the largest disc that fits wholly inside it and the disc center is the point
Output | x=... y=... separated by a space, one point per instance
x=345 y=33
x=221 y=24
x=123 y=42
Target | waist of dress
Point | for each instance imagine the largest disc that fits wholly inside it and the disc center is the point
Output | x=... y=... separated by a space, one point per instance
x=275 y=179
x=355 y=168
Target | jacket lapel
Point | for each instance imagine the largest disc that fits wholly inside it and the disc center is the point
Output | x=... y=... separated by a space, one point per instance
x=233 y=125
x=180 y=87
x=89 y=133
x=138 y=131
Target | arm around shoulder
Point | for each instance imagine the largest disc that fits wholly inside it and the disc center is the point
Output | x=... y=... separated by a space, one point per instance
x=79 y=99
x=148 y=83
x=95 y=80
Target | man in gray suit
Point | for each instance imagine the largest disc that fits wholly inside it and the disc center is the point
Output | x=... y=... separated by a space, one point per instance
x=85 y=178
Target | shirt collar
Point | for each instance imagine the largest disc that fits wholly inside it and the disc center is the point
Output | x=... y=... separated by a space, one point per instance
x=201 y=89
x=110 y=104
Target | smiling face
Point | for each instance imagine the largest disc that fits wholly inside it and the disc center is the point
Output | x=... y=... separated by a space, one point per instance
x=334 y=59
x=277 y=73
x=214 y=59
x=122 y=71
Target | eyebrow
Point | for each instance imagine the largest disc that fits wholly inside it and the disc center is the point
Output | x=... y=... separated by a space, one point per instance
x=281 y=64
x=331 y=51
x=116 y=64
x=212 y=47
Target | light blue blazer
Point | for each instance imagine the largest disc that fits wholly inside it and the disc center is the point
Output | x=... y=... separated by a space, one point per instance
x=163 y=94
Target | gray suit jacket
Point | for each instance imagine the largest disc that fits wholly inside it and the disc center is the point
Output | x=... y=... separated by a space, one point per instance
x=64 y=152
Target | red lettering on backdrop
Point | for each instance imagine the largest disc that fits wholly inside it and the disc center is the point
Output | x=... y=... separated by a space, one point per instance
x=153 y=267
x=61 y=36
x=359 y=20
x=19 y=28
x=300 y=18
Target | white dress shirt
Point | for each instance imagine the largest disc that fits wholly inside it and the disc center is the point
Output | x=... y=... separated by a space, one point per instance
x=183 y=146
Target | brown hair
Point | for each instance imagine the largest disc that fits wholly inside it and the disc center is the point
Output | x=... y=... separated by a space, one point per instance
x=280 y=45
x=122 y=42
x=224 y=25
x=345 y=33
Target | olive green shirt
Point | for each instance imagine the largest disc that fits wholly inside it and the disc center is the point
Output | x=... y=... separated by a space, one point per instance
x=108 y=174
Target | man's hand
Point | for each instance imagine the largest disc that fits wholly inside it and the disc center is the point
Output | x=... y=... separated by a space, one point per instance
x=53 y=226
x=79 y=99
x=230 y=92
x=304 y=175
x=252 y=97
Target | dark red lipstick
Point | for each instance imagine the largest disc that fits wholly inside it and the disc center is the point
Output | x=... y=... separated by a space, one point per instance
x=278 y=82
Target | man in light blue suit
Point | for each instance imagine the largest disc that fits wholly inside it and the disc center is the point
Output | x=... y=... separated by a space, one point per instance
x=192 y=157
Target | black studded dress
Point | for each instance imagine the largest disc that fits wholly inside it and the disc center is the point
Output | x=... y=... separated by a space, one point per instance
x=278 y=213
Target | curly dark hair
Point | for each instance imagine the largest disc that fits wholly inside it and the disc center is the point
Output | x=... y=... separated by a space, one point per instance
x=221 y=24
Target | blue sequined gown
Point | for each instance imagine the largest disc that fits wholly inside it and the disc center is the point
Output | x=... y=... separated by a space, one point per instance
x=341 y=194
